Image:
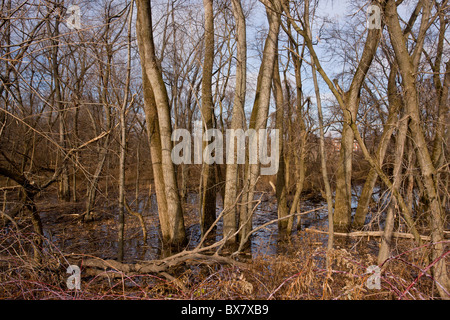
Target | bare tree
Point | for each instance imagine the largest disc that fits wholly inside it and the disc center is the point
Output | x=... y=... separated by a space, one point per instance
x=281 y=188
x=237 y=122
x=123 y=141
x=208 y=193
x=323 y=158
x=349 y=103
x=259 y=114
x=407 y=66
x=172 y=221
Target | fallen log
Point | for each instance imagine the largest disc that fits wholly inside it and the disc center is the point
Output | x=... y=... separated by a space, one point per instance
x=98 y=266
x=375 y=234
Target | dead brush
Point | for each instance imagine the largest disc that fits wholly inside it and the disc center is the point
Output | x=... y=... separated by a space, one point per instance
x=347 y=275
x=299 y=275
x=22 y=275
x=24 y=278
x=302 y=285
x=226 y=283
x=407 y=274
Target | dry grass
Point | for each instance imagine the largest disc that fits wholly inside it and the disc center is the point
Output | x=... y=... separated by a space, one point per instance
x=297 y=275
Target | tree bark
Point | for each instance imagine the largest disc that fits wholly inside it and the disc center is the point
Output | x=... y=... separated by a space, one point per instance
x=64 y=184
x=395 y=103
x=260 y=111
x=105 y=76
x=349 y=103
x=406 y=65
x=237 y=122
x=385 y=247
x=281 y=191
x=176 y=233
x=342 y=211
x=323 y=158
x=123 y=143
x=301 y=152
x=208 y=197
x=323 y=165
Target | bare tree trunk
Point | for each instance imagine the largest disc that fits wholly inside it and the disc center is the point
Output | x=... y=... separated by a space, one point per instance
x=343 y=196
x=323 y=164
x=64 y=184
x=385 y=248
x=104 y=149
x=443 y=116
x=155 y=153
x=259 y=115
x=366 y=193
x=349 y=103
x=92 y=189
x=342 y=212
x=237 y=122
x=281 y=192
x=406 y=65
x=75 y=156
x=442 y=88
x=300 y=155
x=395 y=102
x=208 y=197
x=123 y=144
x=176 y=233
x=323 y=157
x=138 y=172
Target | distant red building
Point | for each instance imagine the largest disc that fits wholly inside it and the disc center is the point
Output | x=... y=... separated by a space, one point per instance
x=336 y=144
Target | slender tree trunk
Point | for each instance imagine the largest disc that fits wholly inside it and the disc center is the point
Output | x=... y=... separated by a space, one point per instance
x=123 y=144
x=300 y=155
x=208 y=203
x=154 y=138
x=323 y=157
x=37 y=226
x=176 y=233
x=260 y=111
x=443 y=117
x=75 y=156
x=64 y=184
x=395 y=103
x=349 y=103
x=281 y=192
x=323 y=165
x=237 y=122
x=342 y=213
x=385 y=248
x=442 y=90
x=156 y=157
x=105 y=75
x=406 y=65
x=93 y=187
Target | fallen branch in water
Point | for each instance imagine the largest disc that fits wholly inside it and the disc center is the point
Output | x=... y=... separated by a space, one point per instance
x=375 y=234
x=94 y=266
x=156 y=266
x=141 y=220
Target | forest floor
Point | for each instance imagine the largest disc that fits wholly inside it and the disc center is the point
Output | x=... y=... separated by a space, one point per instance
x=274 y=269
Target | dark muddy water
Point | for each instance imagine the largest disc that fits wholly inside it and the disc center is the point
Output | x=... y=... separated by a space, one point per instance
x=64 y=228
